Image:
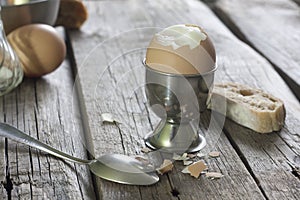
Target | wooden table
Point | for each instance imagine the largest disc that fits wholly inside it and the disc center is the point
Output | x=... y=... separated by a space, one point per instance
x=257 y=43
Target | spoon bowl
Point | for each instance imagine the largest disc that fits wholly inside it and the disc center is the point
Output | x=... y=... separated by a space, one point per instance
x=113 y=167
x=123 y=169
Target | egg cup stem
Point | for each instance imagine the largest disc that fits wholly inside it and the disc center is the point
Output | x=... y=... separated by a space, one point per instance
x=175 y=137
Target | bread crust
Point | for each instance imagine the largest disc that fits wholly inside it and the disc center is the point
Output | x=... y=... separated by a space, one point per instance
x=249 y=107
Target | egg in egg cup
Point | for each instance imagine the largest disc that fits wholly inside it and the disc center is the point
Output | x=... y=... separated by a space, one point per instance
x=180 y=65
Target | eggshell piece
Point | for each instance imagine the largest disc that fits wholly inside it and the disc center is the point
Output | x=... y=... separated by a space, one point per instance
x=166 y=167
x=195 y=169
x=39 y=47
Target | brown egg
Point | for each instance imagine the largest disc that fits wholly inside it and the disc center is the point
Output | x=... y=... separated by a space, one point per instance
x=181 y=49
x=39 y=47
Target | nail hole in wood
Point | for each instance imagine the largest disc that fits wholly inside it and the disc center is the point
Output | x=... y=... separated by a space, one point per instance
x=175 y=192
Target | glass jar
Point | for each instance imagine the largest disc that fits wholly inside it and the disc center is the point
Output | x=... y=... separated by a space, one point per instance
x=11 y=72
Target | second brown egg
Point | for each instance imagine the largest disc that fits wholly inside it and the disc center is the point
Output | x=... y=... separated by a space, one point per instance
x=39 y=47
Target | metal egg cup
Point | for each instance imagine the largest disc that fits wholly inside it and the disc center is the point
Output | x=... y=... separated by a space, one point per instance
x=178 y=100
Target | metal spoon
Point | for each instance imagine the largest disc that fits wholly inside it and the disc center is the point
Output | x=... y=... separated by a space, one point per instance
x=113 y=167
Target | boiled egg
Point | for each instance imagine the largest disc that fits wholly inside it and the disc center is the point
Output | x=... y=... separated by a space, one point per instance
x=181 y=49
x=39 y=48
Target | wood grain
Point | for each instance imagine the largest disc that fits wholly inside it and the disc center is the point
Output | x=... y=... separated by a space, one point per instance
x=44 y=109
x=272 y=173
x=109 y=83
x=2 y=169
x=2 y=163
x=271 y=27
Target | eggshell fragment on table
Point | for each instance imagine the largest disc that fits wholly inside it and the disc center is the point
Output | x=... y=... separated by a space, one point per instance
x=187 y=162
x=195 y=169
x=39 y=47
x=146 y=150
x=109 y=117
x=180 y=157
x=214 y=154
x=167 y=166
x=214 y=175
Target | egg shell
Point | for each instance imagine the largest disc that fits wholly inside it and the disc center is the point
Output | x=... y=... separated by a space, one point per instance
x=39 y=48
x=182 y=60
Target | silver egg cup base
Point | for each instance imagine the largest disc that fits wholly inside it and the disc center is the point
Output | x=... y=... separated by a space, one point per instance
x=178 y=100
x=175 y=137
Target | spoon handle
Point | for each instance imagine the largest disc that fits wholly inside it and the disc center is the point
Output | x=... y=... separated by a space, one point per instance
x=16 y=135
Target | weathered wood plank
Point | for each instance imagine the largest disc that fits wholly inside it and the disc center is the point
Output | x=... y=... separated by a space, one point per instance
x=237 y=62
x=3 y=192
x=44 y=109
x=272 y=27
x=269 y=160
x=228 y=187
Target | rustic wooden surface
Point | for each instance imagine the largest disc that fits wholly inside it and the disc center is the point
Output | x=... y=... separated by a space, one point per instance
x=43 y=109
x=110 y=78
x=247 y=158
x=271 y=28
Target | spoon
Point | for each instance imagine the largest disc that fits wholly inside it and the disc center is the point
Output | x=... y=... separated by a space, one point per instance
x=113 y=167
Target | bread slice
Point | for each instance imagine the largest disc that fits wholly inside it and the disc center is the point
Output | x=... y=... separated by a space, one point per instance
x=72 y=14
x=249 y=107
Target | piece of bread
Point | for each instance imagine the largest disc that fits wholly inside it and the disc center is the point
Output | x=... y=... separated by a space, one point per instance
x=72 y=14
x=249 y=107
